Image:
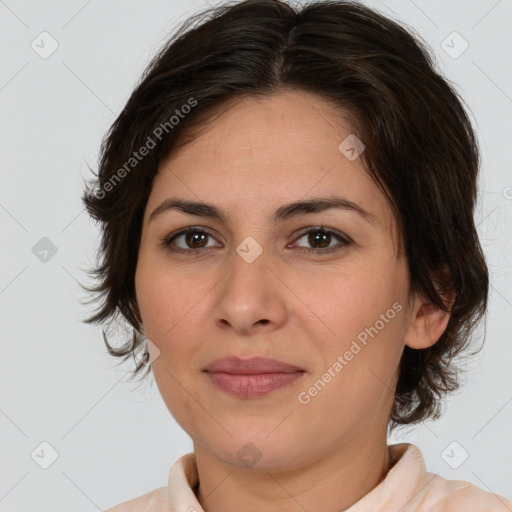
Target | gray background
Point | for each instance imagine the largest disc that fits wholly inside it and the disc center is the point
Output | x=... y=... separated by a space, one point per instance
x=115 y=439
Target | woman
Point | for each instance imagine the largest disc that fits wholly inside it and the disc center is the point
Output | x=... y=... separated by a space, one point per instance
x=286 y=204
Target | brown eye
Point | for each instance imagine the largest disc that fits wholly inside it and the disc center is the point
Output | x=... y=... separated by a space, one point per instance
x=193 y=237
x=194 y=240
x=320 y=239
x=187 y=240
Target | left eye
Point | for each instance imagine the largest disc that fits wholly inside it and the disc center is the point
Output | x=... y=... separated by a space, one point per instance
x=195 y=240
x=322 y=237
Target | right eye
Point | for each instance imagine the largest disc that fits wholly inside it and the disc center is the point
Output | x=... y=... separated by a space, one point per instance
x=194 y=238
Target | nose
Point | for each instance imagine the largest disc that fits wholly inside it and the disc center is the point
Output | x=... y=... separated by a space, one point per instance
x=250 y=298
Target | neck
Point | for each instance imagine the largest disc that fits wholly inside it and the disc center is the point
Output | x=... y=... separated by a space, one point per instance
x=332 y=483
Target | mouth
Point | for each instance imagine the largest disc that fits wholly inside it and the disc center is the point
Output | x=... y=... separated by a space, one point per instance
x=251 y=378
x=250 y=366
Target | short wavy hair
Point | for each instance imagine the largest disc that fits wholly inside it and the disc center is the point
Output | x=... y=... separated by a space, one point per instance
x=421 y=151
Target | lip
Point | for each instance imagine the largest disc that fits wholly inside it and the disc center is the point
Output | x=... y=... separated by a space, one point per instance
x=253 y=377
x=251 y=366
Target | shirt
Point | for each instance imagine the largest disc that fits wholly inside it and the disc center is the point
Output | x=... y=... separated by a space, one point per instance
x=407 y=487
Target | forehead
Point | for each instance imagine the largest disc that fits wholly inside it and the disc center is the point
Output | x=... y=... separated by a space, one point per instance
x=284 y=124
x=260 y=152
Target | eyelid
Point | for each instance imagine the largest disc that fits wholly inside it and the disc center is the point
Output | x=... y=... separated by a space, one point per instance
x=166 y=240
x=325 y=229
x=344 y=240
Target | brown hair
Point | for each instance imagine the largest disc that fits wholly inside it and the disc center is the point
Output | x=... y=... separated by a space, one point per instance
x=420 y=150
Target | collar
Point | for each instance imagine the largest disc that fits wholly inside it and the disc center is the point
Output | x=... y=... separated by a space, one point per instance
x=402 y=482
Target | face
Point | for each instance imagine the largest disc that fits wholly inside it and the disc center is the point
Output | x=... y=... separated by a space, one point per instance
x=322 y=290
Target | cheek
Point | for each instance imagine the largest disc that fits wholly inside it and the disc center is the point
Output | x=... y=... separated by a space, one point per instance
x=165 y=298
x=350 y=299
x=172 y=313
x=362 y=318
x=153 y=300
x=167 y=309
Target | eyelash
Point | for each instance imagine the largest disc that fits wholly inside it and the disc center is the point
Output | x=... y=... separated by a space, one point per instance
x=166 y=241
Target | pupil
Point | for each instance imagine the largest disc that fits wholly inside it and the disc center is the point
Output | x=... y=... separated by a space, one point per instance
x=315 y=238
x=192 y=238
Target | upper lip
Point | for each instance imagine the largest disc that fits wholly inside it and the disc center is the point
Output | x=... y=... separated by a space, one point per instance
x=251 y=366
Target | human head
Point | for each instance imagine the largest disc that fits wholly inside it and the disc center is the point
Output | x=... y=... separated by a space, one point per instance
x=420 y=150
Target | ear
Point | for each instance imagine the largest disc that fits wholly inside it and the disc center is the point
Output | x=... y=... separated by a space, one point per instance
x=428 y=321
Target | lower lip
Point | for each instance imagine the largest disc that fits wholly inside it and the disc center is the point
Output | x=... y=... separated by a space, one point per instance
x=251 y=386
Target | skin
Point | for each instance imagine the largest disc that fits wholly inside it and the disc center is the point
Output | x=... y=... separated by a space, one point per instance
x=302 y=308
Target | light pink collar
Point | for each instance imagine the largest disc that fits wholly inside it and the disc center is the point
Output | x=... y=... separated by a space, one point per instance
x=404 y=480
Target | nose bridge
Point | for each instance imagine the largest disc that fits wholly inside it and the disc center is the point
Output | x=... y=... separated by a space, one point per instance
x=248 y=264
x=248 y=294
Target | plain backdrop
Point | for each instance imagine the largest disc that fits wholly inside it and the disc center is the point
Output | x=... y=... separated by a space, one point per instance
x=64 y=402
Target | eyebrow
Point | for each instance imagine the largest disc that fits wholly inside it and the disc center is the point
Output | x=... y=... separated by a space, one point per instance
x=287 y=211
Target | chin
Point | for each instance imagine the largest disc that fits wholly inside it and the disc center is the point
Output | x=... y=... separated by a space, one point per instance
x=258 y=453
